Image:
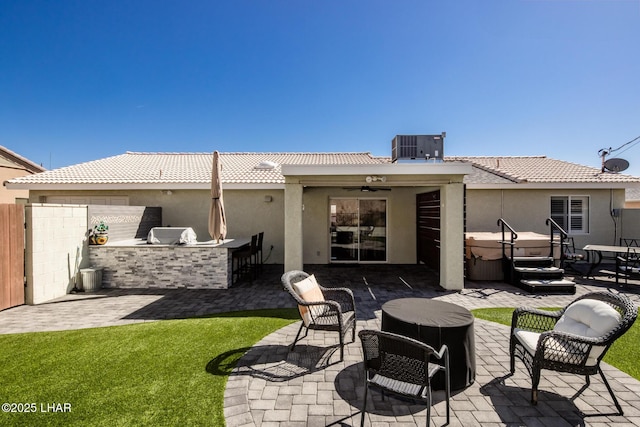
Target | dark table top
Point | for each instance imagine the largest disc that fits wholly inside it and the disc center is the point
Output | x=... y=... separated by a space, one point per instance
x=436 y=323
x=428 y=312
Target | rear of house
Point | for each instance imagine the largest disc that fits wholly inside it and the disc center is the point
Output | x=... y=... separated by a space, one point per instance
x=321 y=208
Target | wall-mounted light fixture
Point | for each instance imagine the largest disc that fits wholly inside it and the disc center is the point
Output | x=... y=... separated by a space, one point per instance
x=376 y=178
x=268 y=199
x=167 y=192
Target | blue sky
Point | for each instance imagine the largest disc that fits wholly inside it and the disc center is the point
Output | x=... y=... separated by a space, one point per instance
x=82 y=80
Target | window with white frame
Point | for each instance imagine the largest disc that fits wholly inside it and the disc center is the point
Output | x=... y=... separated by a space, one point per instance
x=571 y=213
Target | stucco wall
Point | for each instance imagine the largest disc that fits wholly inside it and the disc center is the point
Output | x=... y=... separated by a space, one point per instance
x=630 y=224
x=527 y=210
x=10 y=196
x=246 y=211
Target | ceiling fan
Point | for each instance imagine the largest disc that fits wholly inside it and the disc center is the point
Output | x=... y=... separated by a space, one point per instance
x=367 y=188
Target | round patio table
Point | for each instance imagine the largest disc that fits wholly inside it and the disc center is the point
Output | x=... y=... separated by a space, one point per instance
x=436 y=323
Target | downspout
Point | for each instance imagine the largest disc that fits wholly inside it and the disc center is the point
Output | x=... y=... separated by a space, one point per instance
x=615 y=216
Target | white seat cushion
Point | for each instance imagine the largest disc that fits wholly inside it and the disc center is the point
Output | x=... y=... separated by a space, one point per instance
x=528 y=339
x=556 y=350
x=586 y=318
x=309 y=291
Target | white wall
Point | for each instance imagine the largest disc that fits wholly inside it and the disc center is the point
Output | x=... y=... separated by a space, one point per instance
x=56 y=235
x=246 y=211
x=630 y=224
x=527 y=210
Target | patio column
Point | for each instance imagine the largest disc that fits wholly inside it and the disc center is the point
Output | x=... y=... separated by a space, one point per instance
x=293 y=227
x=452 y=236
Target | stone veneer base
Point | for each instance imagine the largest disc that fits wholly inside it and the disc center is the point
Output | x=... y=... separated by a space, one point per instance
x=163 y=267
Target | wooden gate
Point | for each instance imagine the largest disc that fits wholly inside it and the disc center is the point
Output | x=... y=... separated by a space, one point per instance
x=11 y=255
x=428 y=228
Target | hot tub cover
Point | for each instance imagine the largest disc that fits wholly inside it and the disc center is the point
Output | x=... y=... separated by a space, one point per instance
x=487 y=246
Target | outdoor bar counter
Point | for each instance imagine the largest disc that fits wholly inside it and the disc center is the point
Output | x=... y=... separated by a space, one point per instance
x=137 y=264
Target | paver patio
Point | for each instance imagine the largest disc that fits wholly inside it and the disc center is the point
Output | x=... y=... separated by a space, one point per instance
x=274 y=387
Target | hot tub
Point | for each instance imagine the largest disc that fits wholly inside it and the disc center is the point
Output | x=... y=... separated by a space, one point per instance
x=483 y=252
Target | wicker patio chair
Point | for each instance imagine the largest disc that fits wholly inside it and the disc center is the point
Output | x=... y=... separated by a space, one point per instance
x=573 y=339
x=403 y=366
x=333 y=309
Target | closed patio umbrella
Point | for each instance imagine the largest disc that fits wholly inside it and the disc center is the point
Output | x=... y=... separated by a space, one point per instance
x=217 y=221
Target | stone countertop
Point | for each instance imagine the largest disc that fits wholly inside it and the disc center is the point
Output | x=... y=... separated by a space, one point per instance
x=227 y=243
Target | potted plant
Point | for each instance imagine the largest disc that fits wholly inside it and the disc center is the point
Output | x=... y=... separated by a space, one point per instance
x=99 y=234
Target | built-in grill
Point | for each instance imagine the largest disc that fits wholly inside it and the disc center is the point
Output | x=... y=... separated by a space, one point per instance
x=172 y=236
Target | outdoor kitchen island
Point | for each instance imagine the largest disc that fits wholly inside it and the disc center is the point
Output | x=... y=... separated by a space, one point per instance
x=137 y=264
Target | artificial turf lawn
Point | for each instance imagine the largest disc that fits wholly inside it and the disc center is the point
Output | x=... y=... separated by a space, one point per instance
x=164 y=373
x=623 y=354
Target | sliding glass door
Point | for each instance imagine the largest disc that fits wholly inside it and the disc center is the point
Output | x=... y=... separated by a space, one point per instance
x=358 y=230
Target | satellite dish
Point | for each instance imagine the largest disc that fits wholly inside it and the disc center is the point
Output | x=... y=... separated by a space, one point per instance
x=616 y=165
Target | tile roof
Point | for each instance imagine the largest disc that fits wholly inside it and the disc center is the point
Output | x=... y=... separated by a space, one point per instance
x=17 y=159
x=164 y=168
x=541 y=169
x=244 y=168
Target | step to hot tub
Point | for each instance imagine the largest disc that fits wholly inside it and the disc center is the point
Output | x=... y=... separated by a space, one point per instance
x=558 y=285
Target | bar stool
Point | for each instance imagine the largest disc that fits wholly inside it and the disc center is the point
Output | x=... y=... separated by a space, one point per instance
x=243 y=260
x=259 y=260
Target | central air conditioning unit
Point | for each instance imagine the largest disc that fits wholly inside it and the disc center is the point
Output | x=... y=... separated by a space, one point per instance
x=418 y=147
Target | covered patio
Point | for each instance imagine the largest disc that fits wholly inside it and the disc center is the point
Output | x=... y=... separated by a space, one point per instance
x=308 y=216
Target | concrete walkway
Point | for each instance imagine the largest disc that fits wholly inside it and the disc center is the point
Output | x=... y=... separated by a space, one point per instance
x=274 y=387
